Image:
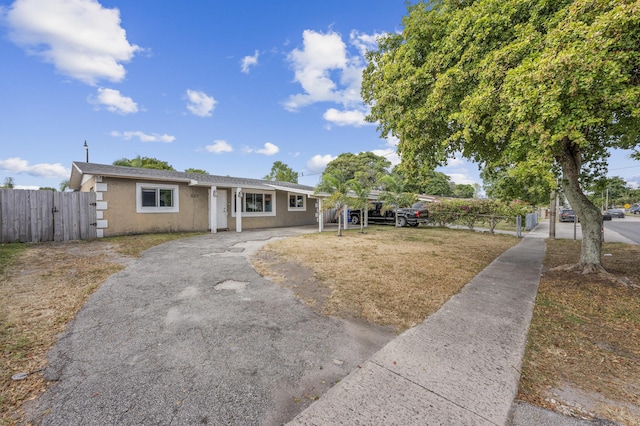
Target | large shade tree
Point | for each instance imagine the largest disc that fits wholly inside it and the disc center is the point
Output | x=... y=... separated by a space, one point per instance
x=365 y=167
x=282 y=173
x=524 y=84
x=144 y=163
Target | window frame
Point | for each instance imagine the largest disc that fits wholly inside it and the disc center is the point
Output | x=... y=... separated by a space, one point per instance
x=245 y=195
x=146 y=186
x=297 y=195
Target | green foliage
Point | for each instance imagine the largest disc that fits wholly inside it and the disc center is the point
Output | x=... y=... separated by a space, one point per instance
x=361 y=200
x=530 y=86
x=8 y=252
x=282 y=173
x=464 y=191
x=509 y=183
x=471 y=213
x=9 y=183
x=436 y=183
x=47 y=188
x=394 y=195
x=427 y=181
x=336 y=186
x=64 y=185
x=144 y=163
x=196 y=171
x=612 y=192
x=365 y=167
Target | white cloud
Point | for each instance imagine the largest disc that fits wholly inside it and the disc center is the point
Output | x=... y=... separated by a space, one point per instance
x=364 y=42
x=329 y=70
x=390 y=152
x=115 y=102
x=461 y=178
x=249 y=61
x=321 y=54
x=392 y=141
x=455 y=161
x=144 y=137
x=80 y=38
x=268 y=149
x=345 y=118
x=219 y=147
x=200 y=103
x=44 y=170
x=318 y=162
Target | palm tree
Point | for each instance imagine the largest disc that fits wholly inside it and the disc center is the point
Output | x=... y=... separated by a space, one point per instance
x=361 y=200
x=334 y=184
x=394 y=195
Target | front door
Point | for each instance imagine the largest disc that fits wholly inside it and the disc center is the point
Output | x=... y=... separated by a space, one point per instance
x=221 y=209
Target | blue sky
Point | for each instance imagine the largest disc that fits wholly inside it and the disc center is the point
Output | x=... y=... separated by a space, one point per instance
x=228 y=87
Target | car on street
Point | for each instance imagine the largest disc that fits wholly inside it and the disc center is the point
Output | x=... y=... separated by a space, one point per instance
x=567 y=215
x=619 y=213
x=635 y=209
x=606 y=216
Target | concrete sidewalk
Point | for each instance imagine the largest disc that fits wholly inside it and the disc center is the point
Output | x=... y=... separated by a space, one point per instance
x=461 y=366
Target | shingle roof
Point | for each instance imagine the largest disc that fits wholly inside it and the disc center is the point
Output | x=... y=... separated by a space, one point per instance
x=80 y=168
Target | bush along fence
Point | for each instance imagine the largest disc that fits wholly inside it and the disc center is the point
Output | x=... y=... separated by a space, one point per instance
x=479 y=213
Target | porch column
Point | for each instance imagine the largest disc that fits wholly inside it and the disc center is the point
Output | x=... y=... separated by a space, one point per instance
x=320 y=215
x=239 y=209
x=213 y=210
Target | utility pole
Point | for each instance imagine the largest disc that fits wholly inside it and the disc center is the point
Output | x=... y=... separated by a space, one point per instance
x=86 y=151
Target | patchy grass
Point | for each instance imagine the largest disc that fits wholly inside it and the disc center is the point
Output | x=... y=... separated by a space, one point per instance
x=583 y=351
x=42 y=287
x=390 y=276
x=582 y=358
x=8 y=252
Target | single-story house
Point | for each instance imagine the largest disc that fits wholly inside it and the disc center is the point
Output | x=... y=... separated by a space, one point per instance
x=133 y=200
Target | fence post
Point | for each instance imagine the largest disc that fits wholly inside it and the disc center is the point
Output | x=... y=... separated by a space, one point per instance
x=518 y=226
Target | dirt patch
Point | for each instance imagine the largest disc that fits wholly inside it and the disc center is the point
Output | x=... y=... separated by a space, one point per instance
x=299 y=279
x=41 y=290
x=41 y=293
x=583 y=357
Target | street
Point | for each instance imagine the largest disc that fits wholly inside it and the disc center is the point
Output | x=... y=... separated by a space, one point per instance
x=628 y=227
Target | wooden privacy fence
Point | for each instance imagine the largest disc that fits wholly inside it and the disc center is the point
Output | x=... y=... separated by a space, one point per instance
x=35 y=216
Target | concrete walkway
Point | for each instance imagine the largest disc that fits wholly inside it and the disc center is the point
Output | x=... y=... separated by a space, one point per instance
x=461 y=366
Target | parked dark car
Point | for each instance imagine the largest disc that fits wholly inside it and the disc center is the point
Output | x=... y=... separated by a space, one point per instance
x=606 y=216
x=619 y=213
x=412 y=216
x=635 y=209
x=567 y=215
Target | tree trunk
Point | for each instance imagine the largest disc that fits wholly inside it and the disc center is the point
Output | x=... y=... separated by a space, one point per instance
x=589 y=215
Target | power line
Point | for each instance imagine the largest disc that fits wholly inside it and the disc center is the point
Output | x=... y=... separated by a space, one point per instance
x=628 y=167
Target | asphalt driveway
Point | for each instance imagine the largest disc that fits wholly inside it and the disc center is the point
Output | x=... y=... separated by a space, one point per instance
x=191 y=334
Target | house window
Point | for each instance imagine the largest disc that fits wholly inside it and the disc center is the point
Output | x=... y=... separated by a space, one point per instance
x=297 y=202
x=155 y=198
x=257 y=203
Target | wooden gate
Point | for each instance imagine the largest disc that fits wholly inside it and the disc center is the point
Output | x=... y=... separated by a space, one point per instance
x=35 y=216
